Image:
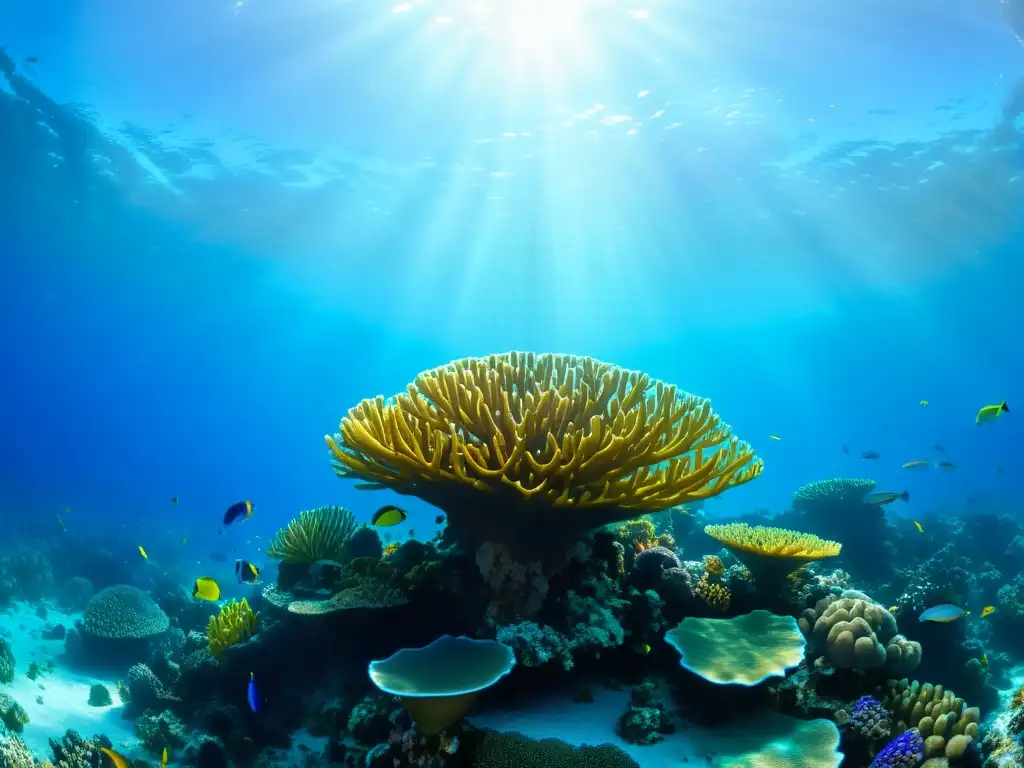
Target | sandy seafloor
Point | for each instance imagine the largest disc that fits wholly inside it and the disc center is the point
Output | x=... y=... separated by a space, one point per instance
x=64 y=695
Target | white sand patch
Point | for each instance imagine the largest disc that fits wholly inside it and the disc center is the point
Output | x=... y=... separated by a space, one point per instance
x=556 y=716
x=64 y=692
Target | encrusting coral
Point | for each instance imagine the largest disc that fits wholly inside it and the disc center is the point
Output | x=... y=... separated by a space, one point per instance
x=769 y=553
x=234 y=624
x=316 y=534
x=499 y=442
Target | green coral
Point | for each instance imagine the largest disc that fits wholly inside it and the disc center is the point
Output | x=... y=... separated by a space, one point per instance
x=99 y=696
x=234 y=624
x=15 y=754
x=514 y=750
x=6 y=662
x=316 y=534
x=837 y=490
x=12 y=715
x=123 y=612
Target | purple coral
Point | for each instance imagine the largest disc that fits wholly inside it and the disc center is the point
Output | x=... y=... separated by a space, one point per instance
x=906 y=750
x=870 y=720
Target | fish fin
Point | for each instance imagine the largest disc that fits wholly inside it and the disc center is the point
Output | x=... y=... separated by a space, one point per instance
x=1004 y=407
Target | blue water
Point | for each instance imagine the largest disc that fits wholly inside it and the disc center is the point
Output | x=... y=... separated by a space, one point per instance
x=222 y=225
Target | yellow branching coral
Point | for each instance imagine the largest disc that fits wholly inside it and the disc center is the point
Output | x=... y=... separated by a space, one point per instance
x=235 y=624
x=316 y=534
x=534 y=432
x=713 y=564
x=771 y=554
x=715 y=595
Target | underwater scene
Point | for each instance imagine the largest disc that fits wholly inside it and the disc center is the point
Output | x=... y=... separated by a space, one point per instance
x=511 y=384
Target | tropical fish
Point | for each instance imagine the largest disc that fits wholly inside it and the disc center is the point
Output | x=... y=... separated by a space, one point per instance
x=846 y=449
x=991 y=413
x=871 y=455
x=984 y=661
x=62 y=524
x=894 y=609
x=115 y=757
x=174 y=499
x=920 y=528
x=218 y=557
x=774 y=437
x=944 y=613
x=642 y=648
x=924 y=402
x=252 y=694
x=241 y=510
x=31 y=60
x=939 y=448
x=163 y=758
x=388 y=516
x=246 y=572
x=143 y=553
x=988 y=610
x=886 y=497
x=917 y=464
x=66 y=510
x=206 y=588
x=949 y=466
x=184 y=540
x=439 y=520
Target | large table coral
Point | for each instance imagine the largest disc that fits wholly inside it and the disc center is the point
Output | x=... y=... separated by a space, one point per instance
x=534 y=446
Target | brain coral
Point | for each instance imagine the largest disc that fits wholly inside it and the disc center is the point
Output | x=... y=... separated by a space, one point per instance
x=514 y=750
x=516 y=443
x=122 y=611
x=854 y=632
x=838 y=490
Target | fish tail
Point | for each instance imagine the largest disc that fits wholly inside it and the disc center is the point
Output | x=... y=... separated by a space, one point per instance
x=1004 y=407
x=905 y=495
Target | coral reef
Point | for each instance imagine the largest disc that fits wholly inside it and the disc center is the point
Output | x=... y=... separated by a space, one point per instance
x=947 y=726
x=316 y=534
x=770 y=553
x=124 y=612
x=12 y=716
x=235 y=623
x=6 y=662
x=513 y=750
x=99 y=696
x=498 y=442
x=905 y=751
x=645 y=721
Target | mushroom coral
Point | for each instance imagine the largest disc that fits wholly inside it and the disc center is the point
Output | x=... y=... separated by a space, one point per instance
x=438 y=683
x=771 y=554
x=516 y=443
x=744 y=650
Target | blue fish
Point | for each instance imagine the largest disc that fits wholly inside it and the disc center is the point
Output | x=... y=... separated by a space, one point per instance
x=943 y=613
x=253 y=694
x=241 y=510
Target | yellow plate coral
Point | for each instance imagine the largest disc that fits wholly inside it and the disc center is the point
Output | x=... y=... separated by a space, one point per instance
x=493 y=439
x=770 y=553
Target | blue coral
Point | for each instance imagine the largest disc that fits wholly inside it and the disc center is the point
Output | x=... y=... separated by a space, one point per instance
x=870 y=720
x=905 y=751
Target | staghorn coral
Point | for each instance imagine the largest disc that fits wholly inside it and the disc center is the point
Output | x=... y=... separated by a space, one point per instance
x=854 y=632
x=123 y=612
x=316 y=534
x=500 y=441
x=769 y=553
x=234 y=624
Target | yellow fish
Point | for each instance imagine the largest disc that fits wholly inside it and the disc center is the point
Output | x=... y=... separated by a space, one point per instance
x=642 y=648
x=920 y=528
x=206 y=588
x=984 y=661
x=62 y=525
x=143 y=553
x=988 y=610
x=387 y=516
x=894 y=609
x=991 y=413
x=163 y=759
x=774 y=437
x=924 y=402
x=184 y=540
x=115 y=757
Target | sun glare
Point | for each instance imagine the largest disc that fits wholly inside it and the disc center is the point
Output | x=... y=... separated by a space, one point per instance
x=529 y=25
